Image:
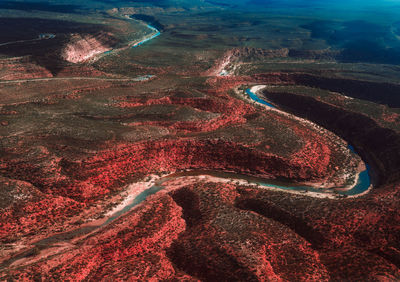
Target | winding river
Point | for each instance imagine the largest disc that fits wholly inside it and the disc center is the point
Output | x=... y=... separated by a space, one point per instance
x=364 y=181
x=155 y=34
x=362 y=186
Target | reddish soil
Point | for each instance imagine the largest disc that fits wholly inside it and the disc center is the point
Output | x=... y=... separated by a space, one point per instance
x=204 y=231
x=220 y=231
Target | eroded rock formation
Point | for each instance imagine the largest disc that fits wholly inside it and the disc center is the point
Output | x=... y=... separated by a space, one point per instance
x=81 y=48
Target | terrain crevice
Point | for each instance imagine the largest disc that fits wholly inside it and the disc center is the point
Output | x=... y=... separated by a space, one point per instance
x=295 y=223
x=189 y=202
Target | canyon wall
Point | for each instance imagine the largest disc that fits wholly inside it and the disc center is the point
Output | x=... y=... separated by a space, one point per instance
x=379 y=146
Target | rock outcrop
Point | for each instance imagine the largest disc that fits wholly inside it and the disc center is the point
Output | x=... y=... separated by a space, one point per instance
x=81 y=48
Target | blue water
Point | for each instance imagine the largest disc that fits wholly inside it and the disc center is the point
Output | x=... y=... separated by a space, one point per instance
x=139 y=199
x=364 y=182
x=144 y=77
x=364 y=179
x=362 y=185
x=258 y=100
x=157 y=33
x=351 y=148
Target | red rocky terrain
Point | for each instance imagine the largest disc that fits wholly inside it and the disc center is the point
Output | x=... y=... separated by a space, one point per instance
x=77 y=144
x=75 y=183
x=59 y=183
x=204 y=230
x=212 y=231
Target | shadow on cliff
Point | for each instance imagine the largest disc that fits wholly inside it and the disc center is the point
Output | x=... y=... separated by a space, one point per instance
x=379 y=146
x=295 y=223
x=208 y=261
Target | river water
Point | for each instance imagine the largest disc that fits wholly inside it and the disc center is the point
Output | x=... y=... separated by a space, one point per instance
x=363 y=184
x=361 y=187
x=364 y=180
x=156 y=34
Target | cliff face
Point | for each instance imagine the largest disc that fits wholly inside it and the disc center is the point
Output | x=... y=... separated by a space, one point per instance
x=324 y=54
x=377 y=92
x=78 y=184
x=81 y=48
x=379 y=146
x=234 y=57
x=382 y=93
x=254 y=54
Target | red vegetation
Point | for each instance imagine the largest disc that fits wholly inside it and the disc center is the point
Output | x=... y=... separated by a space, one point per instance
x=93 y=178
x=133 y=247
x=203 y=231
x=232 y=111
x=114 y=164
x=211 y=232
